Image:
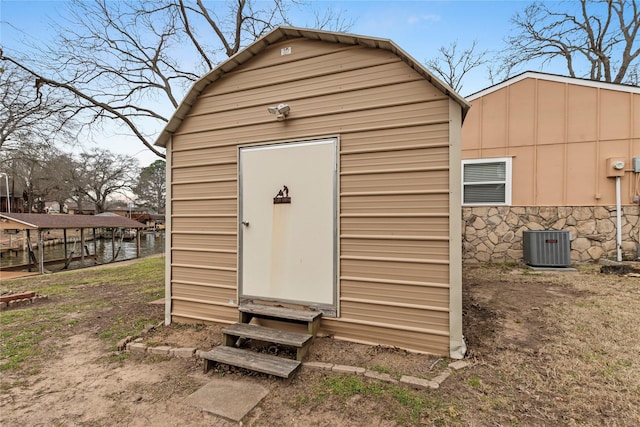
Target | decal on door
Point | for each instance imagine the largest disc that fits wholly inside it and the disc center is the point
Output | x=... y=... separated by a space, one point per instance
x=282 y=196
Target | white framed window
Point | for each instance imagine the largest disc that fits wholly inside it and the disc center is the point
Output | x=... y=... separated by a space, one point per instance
x=486 y=181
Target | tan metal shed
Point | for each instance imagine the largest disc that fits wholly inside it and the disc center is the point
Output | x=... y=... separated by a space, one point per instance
x=349 y=202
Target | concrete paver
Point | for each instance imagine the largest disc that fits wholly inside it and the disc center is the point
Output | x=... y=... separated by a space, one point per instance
x=231 y=399
x=419 y=383
x=345 y=369
x=443 y=376
x=380 y=376
x=318 y=365
x=459 y=364
x=163 y=350
x=136 y=347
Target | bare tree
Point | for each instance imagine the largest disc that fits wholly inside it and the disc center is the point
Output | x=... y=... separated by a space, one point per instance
x=499 y=70
x=43 y=173
x=132 y=61
x=30 y=169
x=452 y=65
x=633 y=75
x=597 y=39
x=105 y=174
x=70 y=179
x=29 y=112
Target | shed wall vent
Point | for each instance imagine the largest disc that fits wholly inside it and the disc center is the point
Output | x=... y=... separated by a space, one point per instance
x=547 y=248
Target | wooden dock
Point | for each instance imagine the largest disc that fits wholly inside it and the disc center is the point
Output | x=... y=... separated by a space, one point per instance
x=49 y=262
x=8 y=251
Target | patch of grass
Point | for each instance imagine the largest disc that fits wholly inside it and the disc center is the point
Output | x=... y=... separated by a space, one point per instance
x=407 y=406
x=73 y=296
x=21 y=332
x=411 y=401
x=300 y=401
x=348 y=386
x=474 y=382
x=381 y=369
x=119 y=357
x=124 y=326
x=625 y=363
x=496 y=402
x=439 y=364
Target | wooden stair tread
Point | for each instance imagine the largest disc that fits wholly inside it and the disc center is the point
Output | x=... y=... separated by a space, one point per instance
x=247 y=359
x=280 y=312
x=244 y=330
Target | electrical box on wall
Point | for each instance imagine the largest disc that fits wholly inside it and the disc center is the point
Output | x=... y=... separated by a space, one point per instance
x=636 y=164
x=615 y=167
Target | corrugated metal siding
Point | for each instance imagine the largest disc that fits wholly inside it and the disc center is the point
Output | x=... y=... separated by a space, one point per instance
x=203 y=311
x=394 y=196
x=190 y=157
x=401 y=227
x=406 y=292
x=375 y=334
x=190 y=292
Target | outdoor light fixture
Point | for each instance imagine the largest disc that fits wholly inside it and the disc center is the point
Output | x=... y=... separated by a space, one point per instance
x=281 y=111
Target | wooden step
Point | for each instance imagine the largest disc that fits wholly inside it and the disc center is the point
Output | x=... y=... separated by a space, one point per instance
x=310 y=317
x=261 y=333
x=301 y=342
x=247 y=359
x=280 y=312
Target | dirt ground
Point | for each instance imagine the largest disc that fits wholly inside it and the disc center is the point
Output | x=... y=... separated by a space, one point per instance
x=545 y=349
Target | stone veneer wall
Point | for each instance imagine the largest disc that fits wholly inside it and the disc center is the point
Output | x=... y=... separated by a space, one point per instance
x=494 y=234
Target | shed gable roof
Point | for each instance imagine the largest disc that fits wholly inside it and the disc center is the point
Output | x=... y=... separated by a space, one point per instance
x=554 y=78
x=285 y=33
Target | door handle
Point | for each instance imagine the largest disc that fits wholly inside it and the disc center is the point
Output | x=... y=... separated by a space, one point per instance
x=245 y=223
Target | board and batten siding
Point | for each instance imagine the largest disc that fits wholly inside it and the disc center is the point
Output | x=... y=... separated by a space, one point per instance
x=559 y=132
x=394 y=132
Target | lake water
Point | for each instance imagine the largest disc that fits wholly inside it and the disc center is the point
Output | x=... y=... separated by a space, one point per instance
x=150 y=243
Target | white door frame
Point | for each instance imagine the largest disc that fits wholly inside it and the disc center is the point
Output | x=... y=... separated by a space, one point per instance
x=329 y=310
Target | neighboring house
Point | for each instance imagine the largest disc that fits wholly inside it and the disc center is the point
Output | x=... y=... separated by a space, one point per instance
x=322 y=170
x=16 y=201
x=54 y=208
x=127 y=212
x=539 y=152
x=154 y=221
x=88 y=208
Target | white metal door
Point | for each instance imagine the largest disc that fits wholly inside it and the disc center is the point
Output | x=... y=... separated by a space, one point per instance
x=288 y=247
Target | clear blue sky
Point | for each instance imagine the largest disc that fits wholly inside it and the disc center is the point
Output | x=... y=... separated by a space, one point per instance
x=418 y=27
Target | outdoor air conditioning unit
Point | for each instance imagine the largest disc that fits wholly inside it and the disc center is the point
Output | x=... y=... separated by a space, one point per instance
x=547 y=248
